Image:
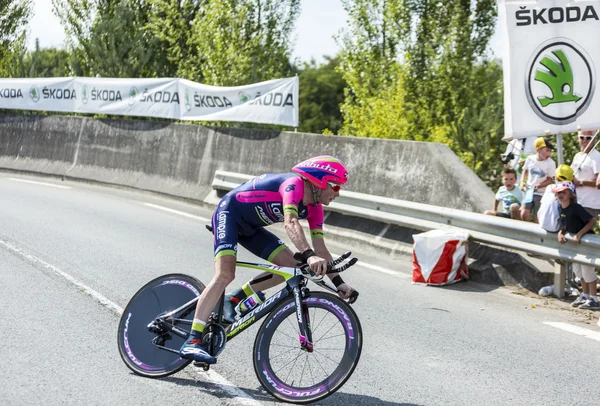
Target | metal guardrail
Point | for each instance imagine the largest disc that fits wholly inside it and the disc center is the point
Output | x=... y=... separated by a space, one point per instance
x=516 y=235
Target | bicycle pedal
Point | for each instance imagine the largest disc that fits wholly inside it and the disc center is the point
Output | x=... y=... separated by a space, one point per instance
x=202 y=365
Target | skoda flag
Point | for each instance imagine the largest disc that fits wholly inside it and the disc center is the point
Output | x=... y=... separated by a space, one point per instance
x=551 y=61
x=271 y=102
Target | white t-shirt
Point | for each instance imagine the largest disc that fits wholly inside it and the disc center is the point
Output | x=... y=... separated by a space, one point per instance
x=538 y=171
x=589 y=167
x=548 y=213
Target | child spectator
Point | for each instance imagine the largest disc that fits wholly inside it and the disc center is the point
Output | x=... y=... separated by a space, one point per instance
x=576 y=220
x=537 y=174
x=509 y=195
x=548 y=214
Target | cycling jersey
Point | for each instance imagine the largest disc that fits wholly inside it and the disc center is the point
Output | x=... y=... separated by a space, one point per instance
x=262 y=201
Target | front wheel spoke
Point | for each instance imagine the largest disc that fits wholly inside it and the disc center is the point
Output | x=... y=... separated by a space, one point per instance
x=310 y=370
x=294 y=326
x=279 y=355
x=292 y=368
x=278 y=331
x=321 y=365
x=320 y=340
x=284 y=346
x=328 y=357
x=327 y=332
x=319 y=323
x=303 y=369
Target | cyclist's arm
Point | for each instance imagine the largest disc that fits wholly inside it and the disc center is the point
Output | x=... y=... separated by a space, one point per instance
x=321 y=250
x=295 y=232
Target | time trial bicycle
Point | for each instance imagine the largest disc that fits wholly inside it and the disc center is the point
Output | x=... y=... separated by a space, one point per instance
x=307 y=347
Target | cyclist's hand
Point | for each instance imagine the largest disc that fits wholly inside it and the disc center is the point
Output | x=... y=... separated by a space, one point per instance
x=345 y=291
x=318 y=265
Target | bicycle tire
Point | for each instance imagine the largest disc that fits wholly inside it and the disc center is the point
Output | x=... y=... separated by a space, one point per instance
x=345 y=321
x=158 y=296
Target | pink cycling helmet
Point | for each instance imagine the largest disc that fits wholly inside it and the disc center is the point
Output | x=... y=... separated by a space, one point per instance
x=322 y=169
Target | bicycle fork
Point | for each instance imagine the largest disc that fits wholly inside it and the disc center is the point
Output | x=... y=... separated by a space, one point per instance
x=304 y=329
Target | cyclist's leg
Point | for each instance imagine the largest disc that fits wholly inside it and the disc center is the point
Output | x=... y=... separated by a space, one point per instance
x=269 y=247
x=283 y=258
x=225 y=228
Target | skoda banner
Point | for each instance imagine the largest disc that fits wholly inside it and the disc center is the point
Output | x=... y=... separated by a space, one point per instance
x=551 y=58
x=272 y=102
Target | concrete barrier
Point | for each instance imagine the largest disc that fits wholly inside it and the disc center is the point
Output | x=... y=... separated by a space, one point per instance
x=181 y=159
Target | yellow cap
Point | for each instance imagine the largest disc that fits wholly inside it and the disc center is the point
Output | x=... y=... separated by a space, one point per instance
x=543 y=142
x=564 y=173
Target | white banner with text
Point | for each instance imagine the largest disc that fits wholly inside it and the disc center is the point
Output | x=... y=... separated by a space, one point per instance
x=271 y=102
x=551 y=60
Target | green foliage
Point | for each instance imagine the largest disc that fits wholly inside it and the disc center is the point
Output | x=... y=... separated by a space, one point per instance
x=14 y=16
x=243 y=41
x=109 y=37
x=321 y=94
x=170 y=23
x=417 y=70
x=45 y=63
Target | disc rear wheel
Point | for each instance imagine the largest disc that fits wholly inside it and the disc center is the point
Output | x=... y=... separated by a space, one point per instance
x=139 y=345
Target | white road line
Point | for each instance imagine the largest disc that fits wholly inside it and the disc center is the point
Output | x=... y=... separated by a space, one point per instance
x=86 y=289
x=594 y=335
x=384 y=270
x=40 y=183
x=378 y=268
x=238 y=395
x=181 y=213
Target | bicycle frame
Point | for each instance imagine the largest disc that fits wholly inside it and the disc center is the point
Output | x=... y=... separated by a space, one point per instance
x=295 y=281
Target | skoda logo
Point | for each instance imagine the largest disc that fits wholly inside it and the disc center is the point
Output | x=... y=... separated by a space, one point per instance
x=188 y=104
x=133 y=94
x=85 y=94
x=560 y=81
x=244 y=97
x=34 y=94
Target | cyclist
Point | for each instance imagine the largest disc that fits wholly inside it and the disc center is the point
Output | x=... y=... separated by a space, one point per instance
x=241 y=217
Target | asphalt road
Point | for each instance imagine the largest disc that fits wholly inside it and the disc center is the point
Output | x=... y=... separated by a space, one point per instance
x=72 y=254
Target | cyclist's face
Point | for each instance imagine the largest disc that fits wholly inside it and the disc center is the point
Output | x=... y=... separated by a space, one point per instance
x=328 y=195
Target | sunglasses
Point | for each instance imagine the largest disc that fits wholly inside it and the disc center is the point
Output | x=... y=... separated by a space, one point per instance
x=587 y=138
x=336 y=188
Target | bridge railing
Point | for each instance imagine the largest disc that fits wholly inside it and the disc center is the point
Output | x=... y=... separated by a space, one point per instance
x=501 y=232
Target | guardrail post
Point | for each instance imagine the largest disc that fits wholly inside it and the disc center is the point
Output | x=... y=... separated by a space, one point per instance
x=560 y=275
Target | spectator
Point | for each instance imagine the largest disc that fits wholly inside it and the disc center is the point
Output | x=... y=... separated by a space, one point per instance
x=509 y=195
x=548 y=214
x=537 y=174
x=576 y=220
x=586 y=166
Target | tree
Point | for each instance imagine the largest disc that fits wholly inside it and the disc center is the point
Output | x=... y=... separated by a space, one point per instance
x=242 y=41
x=418 y=69
x=321 y=94
x=14 y=16
x=46 y=62
x=170 y=22
x=369 y=57
x=109 y=37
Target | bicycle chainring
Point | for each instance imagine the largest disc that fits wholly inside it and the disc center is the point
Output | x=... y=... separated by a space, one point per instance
x=215 y=337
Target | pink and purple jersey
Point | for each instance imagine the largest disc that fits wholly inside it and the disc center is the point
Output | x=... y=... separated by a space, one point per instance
x=260 y=202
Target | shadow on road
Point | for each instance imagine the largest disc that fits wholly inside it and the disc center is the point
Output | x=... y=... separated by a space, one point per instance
x=259 y=394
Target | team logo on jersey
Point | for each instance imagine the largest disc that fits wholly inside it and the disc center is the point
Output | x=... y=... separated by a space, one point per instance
x=277 y=210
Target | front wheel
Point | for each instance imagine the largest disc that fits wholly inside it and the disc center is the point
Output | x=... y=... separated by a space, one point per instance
x=292 y=374
x=154 y=353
